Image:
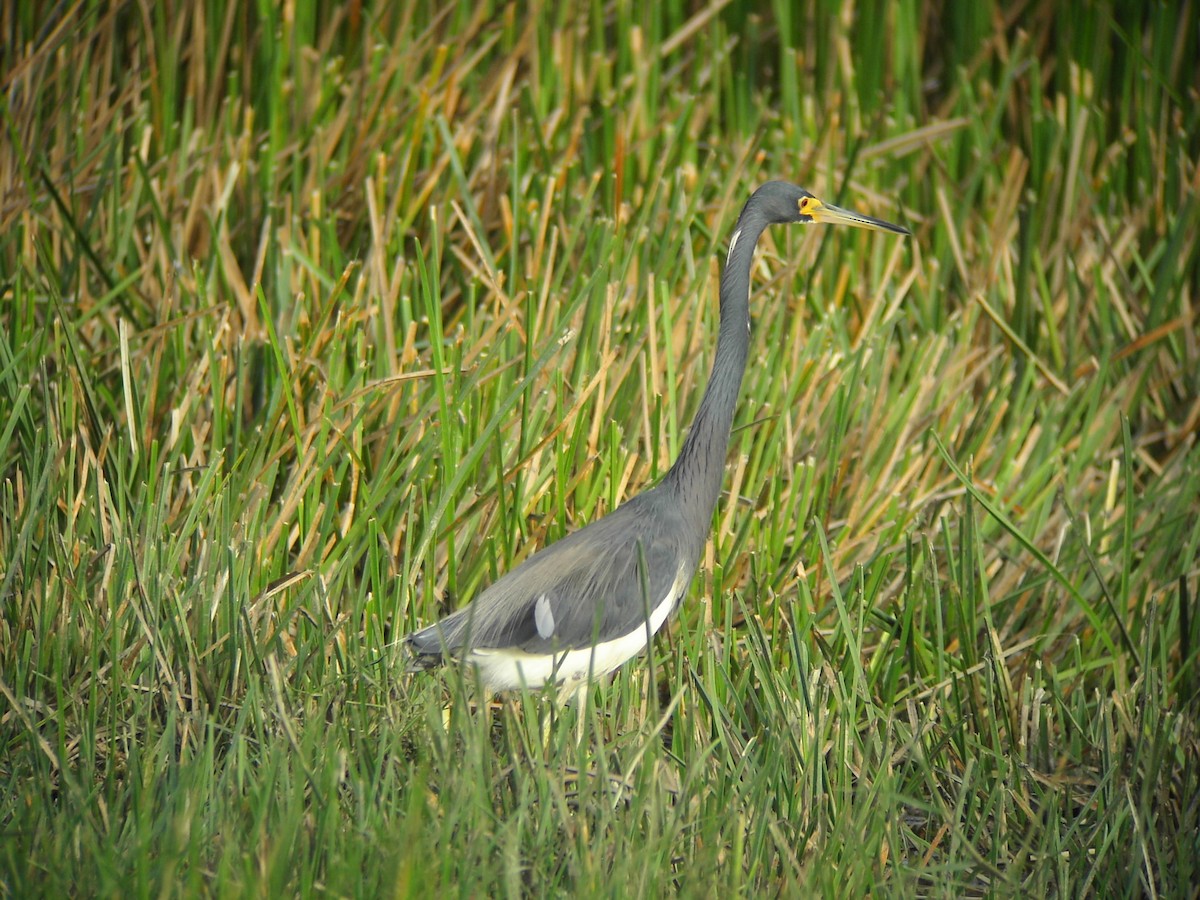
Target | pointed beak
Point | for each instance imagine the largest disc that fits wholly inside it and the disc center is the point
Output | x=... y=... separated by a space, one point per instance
x=828 y=214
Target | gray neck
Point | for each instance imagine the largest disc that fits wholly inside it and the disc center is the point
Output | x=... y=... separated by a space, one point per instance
x=696 y=476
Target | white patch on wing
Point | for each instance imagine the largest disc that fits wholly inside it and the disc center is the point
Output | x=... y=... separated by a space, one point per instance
x=510 y=669
x=543 y=618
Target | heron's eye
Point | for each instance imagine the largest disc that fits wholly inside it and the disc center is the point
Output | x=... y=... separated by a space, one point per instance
x=805 y=203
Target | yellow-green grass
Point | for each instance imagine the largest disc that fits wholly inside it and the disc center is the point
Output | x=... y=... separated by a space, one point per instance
x=315 y=320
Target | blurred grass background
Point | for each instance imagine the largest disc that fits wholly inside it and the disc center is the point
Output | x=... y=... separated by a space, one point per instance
x=317 y=317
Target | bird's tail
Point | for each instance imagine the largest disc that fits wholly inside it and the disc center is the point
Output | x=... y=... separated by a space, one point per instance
x=422 y=654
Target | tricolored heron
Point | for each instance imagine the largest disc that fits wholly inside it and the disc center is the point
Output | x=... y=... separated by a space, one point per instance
x=580 y=607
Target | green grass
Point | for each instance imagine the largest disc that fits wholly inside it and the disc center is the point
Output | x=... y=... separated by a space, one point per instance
x=314 y=324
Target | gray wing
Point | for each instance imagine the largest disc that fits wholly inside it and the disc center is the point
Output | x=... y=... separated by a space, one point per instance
x=585 y=588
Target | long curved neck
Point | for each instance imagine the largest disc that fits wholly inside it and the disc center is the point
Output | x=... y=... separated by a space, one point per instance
x=696 y=475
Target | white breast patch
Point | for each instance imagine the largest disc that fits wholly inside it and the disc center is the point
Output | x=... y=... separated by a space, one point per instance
x=543 y=618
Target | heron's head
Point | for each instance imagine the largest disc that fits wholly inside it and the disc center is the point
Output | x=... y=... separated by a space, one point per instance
x=780 y=201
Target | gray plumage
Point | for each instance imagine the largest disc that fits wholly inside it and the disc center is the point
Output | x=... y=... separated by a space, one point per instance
x=558 y=576
x=580 y=607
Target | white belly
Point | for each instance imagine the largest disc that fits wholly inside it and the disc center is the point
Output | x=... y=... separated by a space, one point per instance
x=510 y=669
